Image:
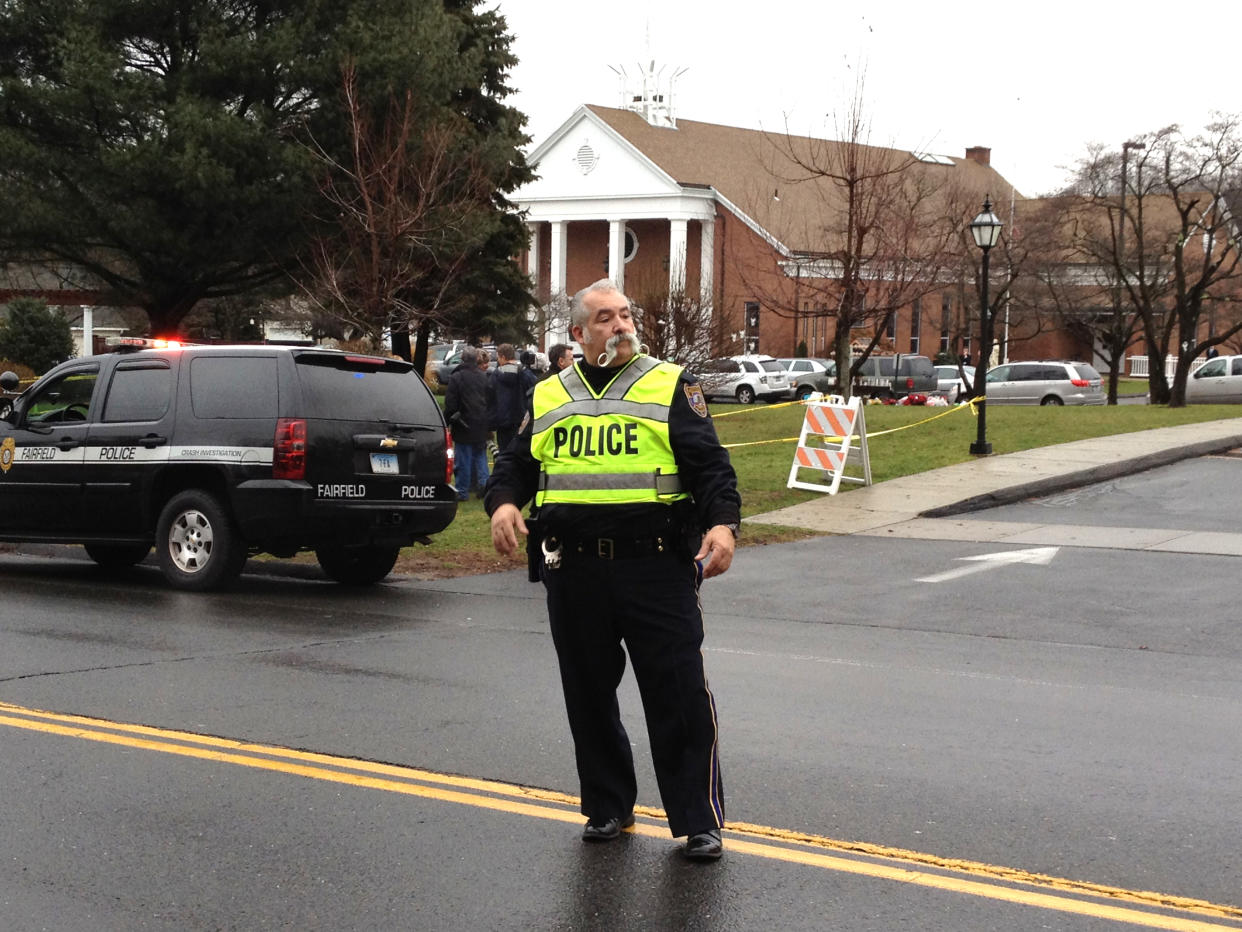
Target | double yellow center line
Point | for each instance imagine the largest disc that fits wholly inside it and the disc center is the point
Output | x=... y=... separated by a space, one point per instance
x=1141 y=908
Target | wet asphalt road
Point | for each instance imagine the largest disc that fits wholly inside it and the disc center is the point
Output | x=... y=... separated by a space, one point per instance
x=1076 y=720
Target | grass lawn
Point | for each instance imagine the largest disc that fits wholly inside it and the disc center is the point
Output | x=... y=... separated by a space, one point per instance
x=761 y=440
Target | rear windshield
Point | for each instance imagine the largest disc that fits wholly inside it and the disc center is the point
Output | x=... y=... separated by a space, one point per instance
x=916 y=365
x=771 y=365
x=1086 y=372
x=364 y=388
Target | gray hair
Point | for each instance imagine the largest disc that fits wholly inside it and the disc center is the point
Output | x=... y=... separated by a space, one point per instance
x=578 y=313
x=470 y=356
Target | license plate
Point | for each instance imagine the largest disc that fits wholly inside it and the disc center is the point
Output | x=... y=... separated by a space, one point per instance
x=385 y=463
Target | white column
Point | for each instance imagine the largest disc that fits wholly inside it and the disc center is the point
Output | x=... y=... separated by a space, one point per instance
x=559 y=257
x=707 y=263
x=532 y=257
x=88 y=330
x=616 y=253
x=677 y=256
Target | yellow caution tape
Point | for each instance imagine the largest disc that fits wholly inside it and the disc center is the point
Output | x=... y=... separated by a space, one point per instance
x=879 y=433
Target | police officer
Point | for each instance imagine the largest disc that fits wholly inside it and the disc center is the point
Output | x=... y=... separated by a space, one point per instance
x=636 y=504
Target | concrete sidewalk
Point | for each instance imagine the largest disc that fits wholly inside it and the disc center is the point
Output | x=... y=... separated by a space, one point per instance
x=906 y=504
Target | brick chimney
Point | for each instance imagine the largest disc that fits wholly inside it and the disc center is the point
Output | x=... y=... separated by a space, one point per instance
x=980 y=154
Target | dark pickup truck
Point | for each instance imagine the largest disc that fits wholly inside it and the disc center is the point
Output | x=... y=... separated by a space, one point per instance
x=895 y=376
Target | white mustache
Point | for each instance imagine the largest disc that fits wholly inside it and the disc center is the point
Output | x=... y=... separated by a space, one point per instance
x=614 y=343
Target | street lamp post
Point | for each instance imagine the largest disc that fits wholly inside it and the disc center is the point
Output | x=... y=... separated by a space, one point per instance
x=1118 y=347
x=986 y=229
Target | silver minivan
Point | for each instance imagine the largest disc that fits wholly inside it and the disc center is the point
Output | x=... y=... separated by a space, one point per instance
x=1045 y=382
x=744 y=378
x=1217 y=382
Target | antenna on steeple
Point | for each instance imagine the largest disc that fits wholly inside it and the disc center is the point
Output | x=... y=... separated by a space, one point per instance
x=649 y=93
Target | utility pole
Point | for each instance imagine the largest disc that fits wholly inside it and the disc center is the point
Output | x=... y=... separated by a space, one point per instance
x=1120 y=344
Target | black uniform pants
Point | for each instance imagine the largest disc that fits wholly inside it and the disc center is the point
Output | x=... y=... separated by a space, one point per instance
x=652 y=605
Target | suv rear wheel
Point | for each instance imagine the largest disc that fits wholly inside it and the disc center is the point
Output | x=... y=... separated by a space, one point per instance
x=199 y=547
x=745 y=395
x=1052 y=400
x=117 y=556
x=357 y=566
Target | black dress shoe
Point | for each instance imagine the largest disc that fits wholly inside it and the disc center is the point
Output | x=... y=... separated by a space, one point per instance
x=705 y=846
x=606 y=830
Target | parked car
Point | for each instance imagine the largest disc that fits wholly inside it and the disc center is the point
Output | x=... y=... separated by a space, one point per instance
x=895 y=376
x=810 y=374
x=744 y=378
x=436 y=355
x=1217 y=382
x=453 y=360
x=1044 y=382
x=213 y=453
x=951 y=385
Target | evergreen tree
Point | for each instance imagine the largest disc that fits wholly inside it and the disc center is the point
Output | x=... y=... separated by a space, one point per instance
x=162 y=145
x=35 y=335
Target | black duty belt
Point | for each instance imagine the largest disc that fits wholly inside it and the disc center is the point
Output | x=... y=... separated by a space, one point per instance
x=613 y=548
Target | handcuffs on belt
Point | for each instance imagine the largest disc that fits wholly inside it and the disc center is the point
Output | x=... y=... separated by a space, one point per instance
x=551 y=555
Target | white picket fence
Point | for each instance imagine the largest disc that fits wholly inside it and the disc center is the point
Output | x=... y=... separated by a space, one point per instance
x=1140 y=370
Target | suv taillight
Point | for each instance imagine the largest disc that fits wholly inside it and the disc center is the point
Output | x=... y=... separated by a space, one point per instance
x=1080 y=383
x=449 y=457
x=909 y=382
x=289 y=449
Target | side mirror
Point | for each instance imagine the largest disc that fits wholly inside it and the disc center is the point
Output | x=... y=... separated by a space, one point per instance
x=9 y=381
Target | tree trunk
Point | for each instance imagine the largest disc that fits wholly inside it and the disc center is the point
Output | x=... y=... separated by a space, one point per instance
x=841 y=349
x=1157 y=381
x=422 y=346
x=166 y=318
x=400 y=336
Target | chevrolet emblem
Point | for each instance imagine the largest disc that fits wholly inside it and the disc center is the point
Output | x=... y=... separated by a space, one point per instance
x=388 y=443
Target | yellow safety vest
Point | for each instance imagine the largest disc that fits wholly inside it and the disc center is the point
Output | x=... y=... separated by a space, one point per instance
x=611 y=448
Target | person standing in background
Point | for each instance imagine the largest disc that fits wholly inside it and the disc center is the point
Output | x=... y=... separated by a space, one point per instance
x=560 y=356
x=465 y=409
x=506 y=396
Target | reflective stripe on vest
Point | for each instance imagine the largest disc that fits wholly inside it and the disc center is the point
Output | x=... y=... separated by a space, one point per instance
x=611 y=448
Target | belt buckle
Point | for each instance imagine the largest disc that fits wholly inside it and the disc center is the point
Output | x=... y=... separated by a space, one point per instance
x=604 y=547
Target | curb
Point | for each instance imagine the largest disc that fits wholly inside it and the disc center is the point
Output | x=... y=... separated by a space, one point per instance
x=1071 y=480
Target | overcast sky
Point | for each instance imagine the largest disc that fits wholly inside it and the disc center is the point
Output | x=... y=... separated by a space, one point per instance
x=1037 y=82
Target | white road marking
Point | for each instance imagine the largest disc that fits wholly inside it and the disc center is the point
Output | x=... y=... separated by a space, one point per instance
x=1038 y=556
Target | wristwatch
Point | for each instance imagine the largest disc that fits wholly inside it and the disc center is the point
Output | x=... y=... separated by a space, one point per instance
x=735 y=528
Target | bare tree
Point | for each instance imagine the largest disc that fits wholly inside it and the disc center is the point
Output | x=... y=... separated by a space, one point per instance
x=1111 y=271
x=1159 y=253
x=879 y=228
x=404 y=216
x=1017 y=305
x=1076 y=279
x=672 y=324
x=1202 y=175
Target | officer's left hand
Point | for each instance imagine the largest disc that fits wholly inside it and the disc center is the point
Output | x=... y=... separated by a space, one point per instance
x=717 y=551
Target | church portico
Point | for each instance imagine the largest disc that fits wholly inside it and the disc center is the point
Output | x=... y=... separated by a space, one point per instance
x=652 y=252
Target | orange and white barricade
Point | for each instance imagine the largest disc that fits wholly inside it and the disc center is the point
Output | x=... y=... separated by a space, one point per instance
x=824 y=444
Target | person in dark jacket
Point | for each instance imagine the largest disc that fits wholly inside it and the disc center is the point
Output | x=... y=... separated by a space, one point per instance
x=465 y=408
x=560 y=356
x=506 y=396
x=636 y=505
x=530 y=370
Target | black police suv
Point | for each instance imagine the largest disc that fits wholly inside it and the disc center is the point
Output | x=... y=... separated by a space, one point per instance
x=213 y=453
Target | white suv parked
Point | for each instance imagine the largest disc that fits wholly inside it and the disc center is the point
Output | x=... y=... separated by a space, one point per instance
x=744 y=378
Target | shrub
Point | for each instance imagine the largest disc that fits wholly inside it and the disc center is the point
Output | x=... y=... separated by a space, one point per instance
x=35 y=335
